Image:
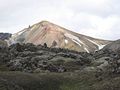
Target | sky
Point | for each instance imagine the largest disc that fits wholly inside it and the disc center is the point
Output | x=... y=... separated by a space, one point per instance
x=96 y=18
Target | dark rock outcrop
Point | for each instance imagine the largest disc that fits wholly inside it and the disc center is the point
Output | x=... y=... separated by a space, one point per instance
x=31 y=58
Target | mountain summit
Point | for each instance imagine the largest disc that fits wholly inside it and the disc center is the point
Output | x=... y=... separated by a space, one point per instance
x=56 y=36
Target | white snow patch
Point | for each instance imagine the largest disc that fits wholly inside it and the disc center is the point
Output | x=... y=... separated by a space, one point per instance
x=76 y=42
x=86 y=50
x=66 y=41
x=74 y=38
x=99 y=45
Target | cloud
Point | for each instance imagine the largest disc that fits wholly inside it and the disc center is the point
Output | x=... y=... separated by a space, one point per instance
x=96 y=18
x=95 y=26
x=98 y=7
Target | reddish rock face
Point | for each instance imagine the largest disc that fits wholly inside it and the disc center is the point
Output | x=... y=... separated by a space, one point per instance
x=46 y=32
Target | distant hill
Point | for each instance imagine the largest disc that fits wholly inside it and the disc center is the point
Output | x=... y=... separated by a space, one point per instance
x=4 y=36
x=114 y=46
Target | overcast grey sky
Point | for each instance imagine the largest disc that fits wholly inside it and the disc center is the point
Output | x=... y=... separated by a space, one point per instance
x=96 y=18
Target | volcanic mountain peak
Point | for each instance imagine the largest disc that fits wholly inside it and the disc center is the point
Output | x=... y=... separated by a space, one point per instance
x=52 y=26
x=56 y=36
x=44 y=22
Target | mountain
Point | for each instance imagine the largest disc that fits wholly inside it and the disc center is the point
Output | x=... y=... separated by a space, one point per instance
x=56 y=36
x=114 y=46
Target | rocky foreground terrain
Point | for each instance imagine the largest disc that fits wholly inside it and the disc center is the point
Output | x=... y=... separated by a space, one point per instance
x=31 y=67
